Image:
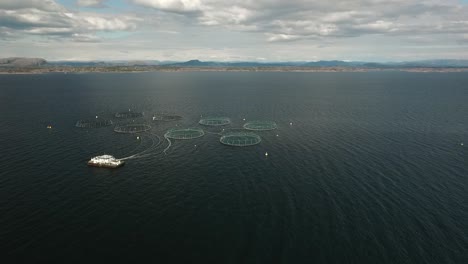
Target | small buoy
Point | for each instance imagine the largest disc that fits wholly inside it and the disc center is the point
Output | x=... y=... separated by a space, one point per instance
x=129 y=109
x=243 y=119
x=195 y=145
x=138 y=137
x=461 y=144
x=266 y=154
x=277 y=135
x=96 y=117
x=290 y=124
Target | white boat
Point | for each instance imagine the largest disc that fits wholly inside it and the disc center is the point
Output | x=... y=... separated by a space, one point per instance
x=105 y=161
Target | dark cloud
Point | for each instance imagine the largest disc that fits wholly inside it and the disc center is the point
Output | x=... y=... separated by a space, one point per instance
x=301 y=19
x=278 y=20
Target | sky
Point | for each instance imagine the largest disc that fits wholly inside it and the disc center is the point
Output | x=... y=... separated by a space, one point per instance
x=236 y=30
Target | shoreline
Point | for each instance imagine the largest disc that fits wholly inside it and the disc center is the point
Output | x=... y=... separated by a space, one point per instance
x=142 y=69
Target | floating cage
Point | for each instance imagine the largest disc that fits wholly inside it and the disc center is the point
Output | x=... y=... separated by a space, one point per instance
x=215 y=121
x=166 y=117
x=185 y=133
x=240 y=139
x=132 y=128
x=128 y=114
x=94 y=123
x=260 y=125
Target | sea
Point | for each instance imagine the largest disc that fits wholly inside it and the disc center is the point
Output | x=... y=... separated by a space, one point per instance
x=364 y=167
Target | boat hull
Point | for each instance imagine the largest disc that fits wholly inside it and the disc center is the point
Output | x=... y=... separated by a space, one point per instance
x=108 y=166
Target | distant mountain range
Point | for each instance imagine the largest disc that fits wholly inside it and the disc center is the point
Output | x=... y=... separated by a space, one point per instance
x=197 y=63
x=21 y=62
x=35 y=62
x=332 y=63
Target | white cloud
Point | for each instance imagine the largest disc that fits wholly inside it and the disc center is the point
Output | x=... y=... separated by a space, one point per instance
x=303 y=19
x=234 y=15
x=237 y=29
x=91 y=3
x=281 y=37
x=85 y=38
x=46 y=5
x=49 y=18
x=93 y=22
x=178 y=6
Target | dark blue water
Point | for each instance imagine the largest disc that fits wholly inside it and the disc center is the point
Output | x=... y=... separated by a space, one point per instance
x=372 y=169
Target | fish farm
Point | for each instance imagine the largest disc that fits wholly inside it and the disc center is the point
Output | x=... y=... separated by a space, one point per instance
x=94 y=123
x=132 y=128
x=215 y=121
x=185 y=133
x=166 y=117
x=236 y=137
x=128 y=114
x=240 y=139
x=260 y=125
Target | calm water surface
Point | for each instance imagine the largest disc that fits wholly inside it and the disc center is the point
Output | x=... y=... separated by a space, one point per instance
x=372 y=169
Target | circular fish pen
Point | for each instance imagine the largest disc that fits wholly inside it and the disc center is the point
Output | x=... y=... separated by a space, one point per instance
x=128 y=114
x=215 y=121
x=260 y=125
x=184 y=133
x=132 y=128
x=94 y=123
x=240 y=139
x=166 y=117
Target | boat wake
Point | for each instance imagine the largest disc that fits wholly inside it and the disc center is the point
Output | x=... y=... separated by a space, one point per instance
x=155 y=142
x=169 y=144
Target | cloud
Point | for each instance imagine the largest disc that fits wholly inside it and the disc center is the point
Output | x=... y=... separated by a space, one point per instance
x=271 y=29
x=45 y=5
x=47 y=19
x=33 y=18
x=85 y=38
x=463 y=39
x=6 y=34
x=91 y=3
x=305 y=19
x=92 y=22
x=281 y=37
x=177 y=6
